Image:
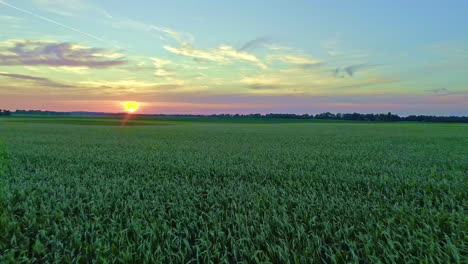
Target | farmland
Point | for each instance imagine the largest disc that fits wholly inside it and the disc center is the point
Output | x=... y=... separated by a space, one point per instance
x=84 y=190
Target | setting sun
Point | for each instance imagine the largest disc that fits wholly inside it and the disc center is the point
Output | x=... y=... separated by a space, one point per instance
x=130 y=107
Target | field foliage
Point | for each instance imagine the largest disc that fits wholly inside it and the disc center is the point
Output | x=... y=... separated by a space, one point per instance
x=210 y=192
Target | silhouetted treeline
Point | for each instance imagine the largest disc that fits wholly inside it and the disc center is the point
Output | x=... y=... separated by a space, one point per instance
x=74 y=113
x=389 y=117
x=5 y=112
x=39 y=112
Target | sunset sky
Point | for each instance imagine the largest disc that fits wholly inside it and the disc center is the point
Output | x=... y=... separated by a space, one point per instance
x=202 y=57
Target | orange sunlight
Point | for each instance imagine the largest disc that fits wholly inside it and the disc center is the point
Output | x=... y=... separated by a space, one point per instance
x=130 y=107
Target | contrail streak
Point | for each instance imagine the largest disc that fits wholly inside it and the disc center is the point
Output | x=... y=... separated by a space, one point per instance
x=52 y=21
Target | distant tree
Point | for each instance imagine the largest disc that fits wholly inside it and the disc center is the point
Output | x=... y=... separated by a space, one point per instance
x=326 y=115
x=4 y=112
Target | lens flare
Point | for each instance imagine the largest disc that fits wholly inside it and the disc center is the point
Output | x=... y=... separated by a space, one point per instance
x=130 y=107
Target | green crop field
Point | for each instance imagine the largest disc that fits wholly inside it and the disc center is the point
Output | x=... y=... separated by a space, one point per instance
x=88 y=190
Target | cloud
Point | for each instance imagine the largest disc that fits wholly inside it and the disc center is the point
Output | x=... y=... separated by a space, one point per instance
x=438 y=90
x=377 y=80
x=70 y=7
x=136 y=68
x=310 y=65
x=336 y=71
x=37 y=80
x=221 y=54
x=296 y=60
x=11 y=19
x=161 y=67
x=276 y=47
x=53 y=22
x=259 y=86
x=180 y=37
x=21 y=76
x=317 y=82
x=266 y=82
x=38 y=86
x=255 y=43
x=30 y=53
x=352 y=69
x=333 y=49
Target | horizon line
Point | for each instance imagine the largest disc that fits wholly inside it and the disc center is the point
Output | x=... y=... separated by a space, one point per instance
x=232 y=114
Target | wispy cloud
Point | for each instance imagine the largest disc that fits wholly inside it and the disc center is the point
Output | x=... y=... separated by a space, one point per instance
x=259 y=86
x=140 y=66
x=222 y=54
x=335 y=49
x=295 y=60
x=161 y=67
x=276 y=47
x=352 y=69
x=37 y=86
x=21 y=76
x=255 y=43
x=30 y=53
x=70 y=7
x=10 y=19
x=265 y=82
x=37 y=80
x=126 y=23
x=438 y=90
x=336 y=72
x=318 y=82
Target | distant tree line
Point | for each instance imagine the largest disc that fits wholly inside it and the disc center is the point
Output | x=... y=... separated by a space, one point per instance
x=389 y=117
x=39 y=112
x=5 y=112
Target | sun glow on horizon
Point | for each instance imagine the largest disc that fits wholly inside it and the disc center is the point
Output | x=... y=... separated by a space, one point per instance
x=130 y=107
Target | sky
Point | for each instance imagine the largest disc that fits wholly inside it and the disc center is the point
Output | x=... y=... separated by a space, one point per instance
x=211 y=57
